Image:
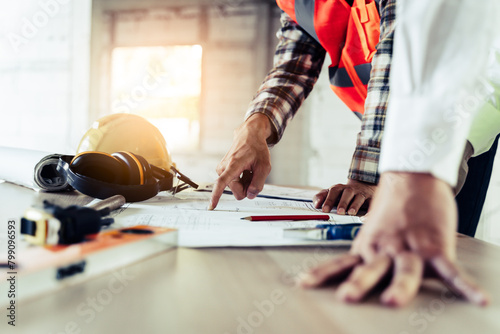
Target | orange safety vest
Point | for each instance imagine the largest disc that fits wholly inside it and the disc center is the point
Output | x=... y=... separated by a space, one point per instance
x=348 y=34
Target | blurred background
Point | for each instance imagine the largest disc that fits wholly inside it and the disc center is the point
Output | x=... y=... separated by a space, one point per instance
x=190 y=67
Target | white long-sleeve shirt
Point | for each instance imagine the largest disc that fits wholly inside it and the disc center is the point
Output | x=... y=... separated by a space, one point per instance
x=440 y=48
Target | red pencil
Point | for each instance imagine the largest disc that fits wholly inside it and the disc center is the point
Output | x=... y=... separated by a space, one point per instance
x=287 y=217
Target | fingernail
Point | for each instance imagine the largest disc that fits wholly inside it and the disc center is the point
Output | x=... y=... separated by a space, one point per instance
x=210 y=206
x=315 y=204
x=341 y=211
x=351 y=212
x=306 y=280
x=326 y=208
x=251 y=195
x=348 y=293
x=481 y=299
x=391 y=300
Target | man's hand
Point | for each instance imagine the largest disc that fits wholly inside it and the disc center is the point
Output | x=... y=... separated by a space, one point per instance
x=249 y=153
x=409 y=234
x=350 y=197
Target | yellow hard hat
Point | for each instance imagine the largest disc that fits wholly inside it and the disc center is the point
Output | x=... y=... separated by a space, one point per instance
x=130 y=133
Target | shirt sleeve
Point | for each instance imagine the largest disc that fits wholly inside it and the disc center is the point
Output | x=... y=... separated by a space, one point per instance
x=297 y=64
x=364 y=164
x=440 y=48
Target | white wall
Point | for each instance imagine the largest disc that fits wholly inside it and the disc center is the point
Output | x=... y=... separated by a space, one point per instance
x=236 y=41
x=44 y=62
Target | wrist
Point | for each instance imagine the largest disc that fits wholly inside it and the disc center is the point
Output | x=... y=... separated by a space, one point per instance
x=356 y=181
x=260 y=125
x=418 y=182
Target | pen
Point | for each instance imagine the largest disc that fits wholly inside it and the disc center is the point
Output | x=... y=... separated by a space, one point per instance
x=287 y=217
x=284 y=198
x=324 y=232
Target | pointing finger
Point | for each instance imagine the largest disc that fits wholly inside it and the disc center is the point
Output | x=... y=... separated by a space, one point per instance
x=227 y=176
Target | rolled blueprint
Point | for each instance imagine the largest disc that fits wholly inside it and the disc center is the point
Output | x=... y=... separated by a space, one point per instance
x=32 y=169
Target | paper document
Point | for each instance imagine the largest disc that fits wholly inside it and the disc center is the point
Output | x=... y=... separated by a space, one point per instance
x=198 y=227
x=298 y=194
x=274 y=192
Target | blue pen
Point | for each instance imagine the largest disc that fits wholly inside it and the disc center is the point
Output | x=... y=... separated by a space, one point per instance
x=324 y=232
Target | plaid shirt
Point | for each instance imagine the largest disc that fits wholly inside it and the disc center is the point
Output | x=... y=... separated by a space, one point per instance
x=297 y=63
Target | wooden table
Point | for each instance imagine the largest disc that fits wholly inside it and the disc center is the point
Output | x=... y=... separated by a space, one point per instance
x=244 y=290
